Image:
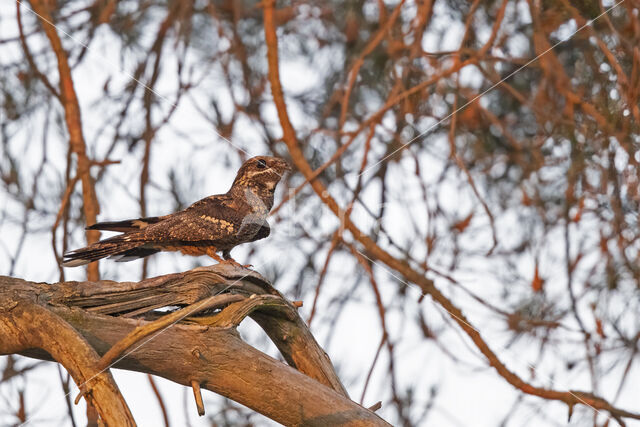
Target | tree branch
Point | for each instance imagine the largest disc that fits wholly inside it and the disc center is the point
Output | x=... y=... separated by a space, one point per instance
x=194 y=346
x=26 y=325
x=571 y=398
x=69 y=101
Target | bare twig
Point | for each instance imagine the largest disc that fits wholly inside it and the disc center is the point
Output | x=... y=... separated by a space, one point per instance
x=198 y=396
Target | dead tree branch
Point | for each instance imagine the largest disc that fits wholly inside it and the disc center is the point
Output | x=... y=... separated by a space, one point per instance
x=196 y=345
x=24 y=325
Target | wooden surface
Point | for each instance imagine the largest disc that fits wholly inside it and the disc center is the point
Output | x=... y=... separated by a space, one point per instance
x=195 y=342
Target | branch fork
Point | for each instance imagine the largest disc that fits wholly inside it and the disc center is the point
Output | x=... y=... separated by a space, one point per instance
x=196 y=344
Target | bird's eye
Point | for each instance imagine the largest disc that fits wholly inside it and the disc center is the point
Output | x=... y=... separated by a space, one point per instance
x=261 y=164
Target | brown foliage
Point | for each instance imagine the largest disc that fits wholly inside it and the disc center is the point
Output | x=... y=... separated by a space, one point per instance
x=433 y=142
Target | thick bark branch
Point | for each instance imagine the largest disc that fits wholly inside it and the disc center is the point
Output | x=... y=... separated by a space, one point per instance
x=26 y=325
x=201 y=348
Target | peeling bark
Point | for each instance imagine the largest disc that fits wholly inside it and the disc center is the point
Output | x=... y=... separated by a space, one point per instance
x=198 y=347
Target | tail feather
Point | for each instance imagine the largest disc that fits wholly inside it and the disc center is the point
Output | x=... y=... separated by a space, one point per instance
x=134 y=253
x=126 y=225
x=102 y=249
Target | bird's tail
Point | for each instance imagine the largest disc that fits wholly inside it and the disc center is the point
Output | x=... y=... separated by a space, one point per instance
x=118 y=246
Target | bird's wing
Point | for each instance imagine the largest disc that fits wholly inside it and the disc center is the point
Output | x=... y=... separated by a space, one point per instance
x=127 y=225
x=215 y=220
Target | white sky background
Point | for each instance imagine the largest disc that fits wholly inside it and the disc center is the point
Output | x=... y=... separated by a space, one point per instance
x=471 y=393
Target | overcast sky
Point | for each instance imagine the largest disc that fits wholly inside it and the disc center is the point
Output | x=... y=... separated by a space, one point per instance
x=471 y=393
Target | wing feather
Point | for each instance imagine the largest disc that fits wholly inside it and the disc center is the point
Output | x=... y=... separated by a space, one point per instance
x=127 y=225
x=215 y=221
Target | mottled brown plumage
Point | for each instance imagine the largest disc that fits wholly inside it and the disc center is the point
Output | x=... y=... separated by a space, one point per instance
x=214 y=224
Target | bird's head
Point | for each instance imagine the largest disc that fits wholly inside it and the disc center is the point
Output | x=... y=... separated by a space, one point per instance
x=262 y=172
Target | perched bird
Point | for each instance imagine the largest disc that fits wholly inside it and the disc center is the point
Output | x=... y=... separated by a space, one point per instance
x=214 y=224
